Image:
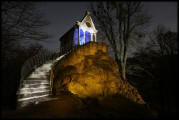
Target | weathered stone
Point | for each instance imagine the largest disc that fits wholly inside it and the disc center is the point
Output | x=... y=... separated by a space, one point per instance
x=89 y=72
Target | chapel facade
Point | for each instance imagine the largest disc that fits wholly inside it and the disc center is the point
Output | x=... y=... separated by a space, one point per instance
x=81 y=33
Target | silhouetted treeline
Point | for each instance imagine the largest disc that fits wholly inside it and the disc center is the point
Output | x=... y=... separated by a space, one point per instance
x=121 y=23
x=11 y=73
x=153 y=70
x=21 y=21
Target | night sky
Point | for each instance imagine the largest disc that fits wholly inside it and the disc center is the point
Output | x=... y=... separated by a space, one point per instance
x=63 y=15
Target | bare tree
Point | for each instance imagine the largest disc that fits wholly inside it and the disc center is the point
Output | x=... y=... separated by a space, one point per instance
x=120 y=21
x=106 y=24
x=20 y=21
x=155 y=64
x=164 y=40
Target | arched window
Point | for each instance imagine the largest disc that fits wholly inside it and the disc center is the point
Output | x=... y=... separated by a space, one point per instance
x=76 y=36
x=81 y=37
x=87 y=37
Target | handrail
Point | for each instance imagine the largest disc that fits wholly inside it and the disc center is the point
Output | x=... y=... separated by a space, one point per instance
x=37 y=60
x=40 y=58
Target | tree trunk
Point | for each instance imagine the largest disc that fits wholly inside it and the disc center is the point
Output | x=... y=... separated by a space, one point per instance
x=115 y=54
x=121 y=46
x=126 y=37
x=123 y=71
x=116 y=58
x=123 y=52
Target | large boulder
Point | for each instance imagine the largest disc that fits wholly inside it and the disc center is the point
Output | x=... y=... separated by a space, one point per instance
x=88 y=71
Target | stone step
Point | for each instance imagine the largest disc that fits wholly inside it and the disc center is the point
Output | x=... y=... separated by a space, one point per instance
x=35 y=100
x=32 y=90
x=34 y=85
x=35 y=81
x=29 y=92
x=22 y=97
x=39 y=73
x=39 y=77
x=45 y=69
x=35 y=78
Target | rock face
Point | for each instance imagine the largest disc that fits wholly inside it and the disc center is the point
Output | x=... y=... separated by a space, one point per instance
x=88 y=71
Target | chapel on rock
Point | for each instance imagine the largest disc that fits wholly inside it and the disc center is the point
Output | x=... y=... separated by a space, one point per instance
x=81 y=33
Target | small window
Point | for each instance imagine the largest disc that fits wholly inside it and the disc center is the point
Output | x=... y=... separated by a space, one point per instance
x=88 y=24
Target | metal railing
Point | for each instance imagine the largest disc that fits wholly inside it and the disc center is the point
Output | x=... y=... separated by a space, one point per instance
x=43 y=56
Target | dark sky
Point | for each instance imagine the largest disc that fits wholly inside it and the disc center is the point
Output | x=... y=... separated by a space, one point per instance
x=63 y=15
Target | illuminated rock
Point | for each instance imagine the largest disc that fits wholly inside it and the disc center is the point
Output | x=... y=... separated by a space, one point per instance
x=89 y=72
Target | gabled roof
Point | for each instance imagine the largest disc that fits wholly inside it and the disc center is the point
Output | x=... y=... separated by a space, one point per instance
x=87 y=17
x=66 y=33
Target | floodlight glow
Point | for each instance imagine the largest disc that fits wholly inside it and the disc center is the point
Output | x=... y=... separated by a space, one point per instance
x=23 y=99
x=25 y=92
x=32 y=84
x=41 y=87
x=31 y=87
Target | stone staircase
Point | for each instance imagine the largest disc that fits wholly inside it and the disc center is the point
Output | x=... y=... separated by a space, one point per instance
x=36 y=87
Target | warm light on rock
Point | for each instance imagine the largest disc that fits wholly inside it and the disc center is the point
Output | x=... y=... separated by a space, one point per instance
x=90 y=72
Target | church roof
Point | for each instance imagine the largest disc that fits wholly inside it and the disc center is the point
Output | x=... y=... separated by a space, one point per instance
x=87 y=13
x=67 y=32
x=86 y=16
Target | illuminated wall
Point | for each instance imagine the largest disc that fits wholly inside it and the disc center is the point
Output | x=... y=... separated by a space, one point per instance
x=84 y=31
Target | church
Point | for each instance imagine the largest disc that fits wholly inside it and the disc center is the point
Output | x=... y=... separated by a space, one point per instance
x=82 y=32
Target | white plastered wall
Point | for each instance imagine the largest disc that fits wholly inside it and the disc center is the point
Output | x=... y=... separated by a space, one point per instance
x=92 y=30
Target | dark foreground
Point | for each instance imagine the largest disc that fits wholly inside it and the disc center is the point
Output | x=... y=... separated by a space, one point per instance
x=70 y=106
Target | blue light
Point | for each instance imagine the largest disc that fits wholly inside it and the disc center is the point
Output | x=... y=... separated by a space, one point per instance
x=81 y=37
x=76 y=36
x=87 y=37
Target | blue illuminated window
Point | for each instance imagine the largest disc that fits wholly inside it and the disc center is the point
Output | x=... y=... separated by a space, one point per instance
x=81 y=37
x=76 y=36
x=87 y=37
